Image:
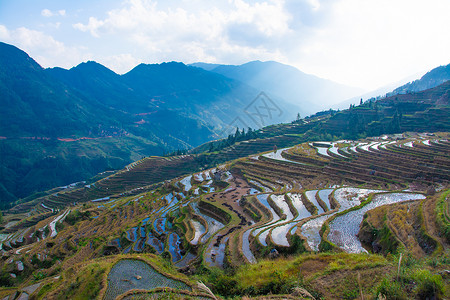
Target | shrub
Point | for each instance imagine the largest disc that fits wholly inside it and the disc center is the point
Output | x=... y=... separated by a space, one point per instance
x=75 y=216
x=391 y=289
x=428 y=285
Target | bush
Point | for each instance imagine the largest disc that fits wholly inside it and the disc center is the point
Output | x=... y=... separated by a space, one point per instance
x=391 y=289
x=75 y=216
x=428 y=285
x=5 y=279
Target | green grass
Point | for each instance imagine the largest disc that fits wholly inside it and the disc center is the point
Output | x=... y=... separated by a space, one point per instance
x=442 y=218
x=413 y=281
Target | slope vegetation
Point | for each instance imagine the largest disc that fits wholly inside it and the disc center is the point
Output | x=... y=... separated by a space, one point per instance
x=262 y=219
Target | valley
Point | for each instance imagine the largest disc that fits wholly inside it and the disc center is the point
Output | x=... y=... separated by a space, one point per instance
x=298 y=209
x=153 y=184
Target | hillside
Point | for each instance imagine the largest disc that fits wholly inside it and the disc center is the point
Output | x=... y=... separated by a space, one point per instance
x=318 y=216
x=89 y=119
x=419 y=112
x=431 y=79
x=263 y=218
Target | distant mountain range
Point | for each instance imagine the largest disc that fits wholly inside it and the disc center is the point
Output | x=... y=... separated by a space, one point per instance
x=308 y=92
x=89 y=119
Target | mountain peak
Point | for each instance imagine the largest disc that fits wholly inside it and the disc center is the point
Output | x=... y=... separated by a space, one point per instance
x=93 y=67
x=13 y=57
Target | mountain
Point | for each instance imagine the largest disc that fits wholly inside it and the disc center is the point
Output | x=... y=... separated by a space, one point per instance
x=205 y=66
x=378 y=93
x=354 y=218
x=89 y=119
x=308 y=92
x=35 y=104
x=431 y=79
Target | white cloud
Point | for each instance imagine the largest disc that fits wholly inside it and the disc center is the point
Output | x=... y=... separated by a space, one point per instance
x=92 y=26
x=48 y=13
x=362 y=43
x=120 y=63
x=4 y=33
x=372 y=43
x=47 y=51
x=189 y=34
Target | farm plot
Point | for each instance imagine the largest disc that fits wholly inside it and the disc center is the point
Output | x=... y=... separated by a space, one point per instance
x=174 y=247
x=277 y=155
x=215 y=254
x=301 y=210
x=134 y=274
x=310 y=230
x=279 y=233
x=186 y=182
x=311 y=195
x=324 y=196
x=344 y=228
x=155 y=243
x=347 y=198
x=199 y=231
x=275 y=217
x=213 y=224
x=333 y=149
x=246 y=247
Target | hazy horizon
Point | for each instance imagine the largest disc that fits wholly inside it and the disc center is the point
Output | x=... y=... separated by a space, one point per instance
x=362 y=44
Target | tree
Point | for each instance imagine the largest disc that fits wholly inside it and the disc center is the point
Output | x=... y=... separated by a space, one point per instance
x=360 y=102
x=237 y=133
x=298 y=117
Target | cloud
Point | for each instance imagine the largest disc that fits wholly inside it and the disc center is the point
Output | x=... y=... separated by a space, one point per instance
x=92 y=26
x=47 y=51
x=193 y=32
x=372 y=43
x=120 y=63
x=4 y=33
x=363 y=43
x=48 y=13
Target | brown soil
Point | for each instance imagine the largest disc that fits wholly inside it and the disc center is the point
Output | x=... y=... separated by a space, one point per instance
x=312 y=266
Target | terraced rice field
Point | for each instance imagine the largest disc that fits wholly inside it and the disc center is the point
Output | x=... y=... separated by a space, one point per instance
x=213 y=224
x=311 y=196
x=134 y=274
x=236 y=213
x=344 y=228
x=278 y=234
x=199 y=231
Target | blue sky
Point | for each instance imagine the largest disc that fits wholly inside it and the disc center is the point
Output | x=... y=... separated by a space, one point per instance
x=363 y=43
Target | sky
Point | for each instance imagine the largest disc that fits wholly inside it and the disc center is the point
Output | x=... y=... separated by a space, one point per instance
x=361 y=43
